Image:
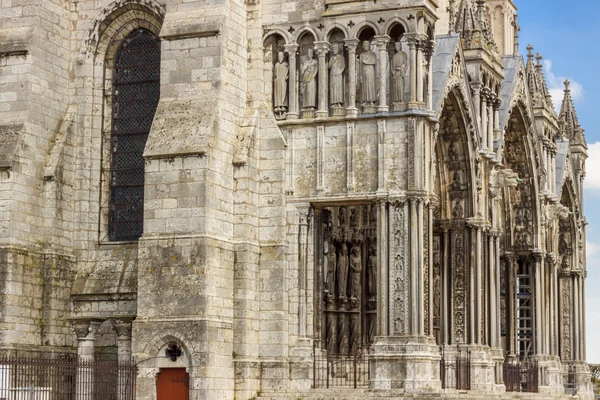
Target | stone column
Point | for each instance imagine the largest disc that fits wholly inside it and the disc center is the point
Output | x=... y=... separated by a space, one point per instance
x=122 y=327
x=412 y=46
x=497 y=105
x=382 y=43
x=576 y=331
x=382 y=268
x=538 y=341
x=445 y=300
x=85 y=330
x=552 y=303
x=511 y=333
x=351 y=45
x=498 y=333
x=492 y=291
x=292 y=49
x=476 y=89
x=323 y=110
x=303 y=220
x=490 y=132
x=484 y=119
x=420 y=71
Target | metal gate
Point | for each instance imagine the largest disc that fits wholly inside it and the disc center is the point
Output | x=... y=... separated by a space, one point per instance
x=64 y=377
x=456 y=373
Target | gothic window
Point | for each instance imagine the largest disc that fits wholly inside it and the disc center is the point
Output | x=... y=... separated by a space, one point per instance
x=136 y=89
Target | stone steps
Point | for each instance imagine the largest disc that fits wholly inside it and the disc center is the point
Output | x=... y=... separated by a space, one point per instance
x=359 y=394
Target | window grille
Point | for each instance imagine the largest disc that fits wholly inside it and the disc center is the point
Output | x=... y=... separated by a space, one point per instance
x=136 y=92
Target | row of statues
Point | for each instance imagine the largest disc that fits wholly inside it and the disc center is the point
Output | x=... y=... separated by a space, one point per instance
x=367 y=80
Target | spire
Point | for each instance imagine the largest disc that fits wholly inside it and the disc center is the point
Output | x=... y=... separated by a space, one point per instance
x=569 y=122
x=473 y=24
x=536 y=81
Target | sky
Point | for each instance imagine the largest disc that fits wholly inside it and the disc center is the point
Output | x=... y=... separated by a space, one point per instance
x=567 y=34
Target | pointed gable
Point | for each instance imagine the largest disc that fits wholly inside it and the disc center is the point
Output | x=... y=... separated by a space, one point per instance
x=569 y=122
x=473 y=25
x=538 y=89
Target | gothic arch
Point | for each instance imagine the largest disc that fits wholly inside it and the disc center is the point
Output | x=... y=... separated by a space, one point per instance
x=355 y=33
x=297 y=37
x=333 y=27
x=110 y=16
x=276 y=31
x=387 y=28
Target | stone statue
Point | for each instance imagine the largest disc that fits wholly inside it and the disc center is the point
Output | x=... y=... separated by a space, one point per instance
x=337 y=65
x=331 y=265
x=355 y=271
x=310 y=69
x=399 y=62
x=281 y=75
x=367 y=59
x=372 y=273
x=342 y=272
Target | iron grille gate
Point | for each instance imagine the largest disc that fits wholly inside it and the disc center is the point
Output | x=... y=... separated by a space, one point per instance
x=456 y=374
x=65 y=378
x=521 y=377
x=340 y=370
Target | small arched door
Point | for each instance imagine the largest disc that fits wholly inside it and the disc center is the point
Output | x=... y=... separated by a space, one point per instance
x=173 y=384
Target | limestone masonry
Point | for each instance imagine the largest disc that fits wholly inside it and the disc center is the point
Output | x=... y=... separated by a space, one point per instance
x=296 y=198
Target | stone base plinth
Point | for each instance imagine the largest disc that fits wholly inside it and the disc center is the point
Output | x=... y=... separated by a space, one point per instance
x=550 y=375
x=405 y=362
x=301 y=365
x=483 y=365
x=583 y=383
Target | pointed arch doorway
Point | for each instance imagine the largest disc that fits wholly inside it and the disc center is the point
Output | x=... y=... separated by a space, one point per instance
x=173 y=384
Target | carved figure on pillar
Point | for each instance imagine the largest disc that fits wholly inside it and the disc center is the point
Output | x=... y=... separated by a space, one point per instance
x=337 y=66
x=399 y=62
x=342 y=273
x=368 y=93
x=372 y=274
x=309 y=71
x=331 y=268
x=280 y=85
x=355 y=271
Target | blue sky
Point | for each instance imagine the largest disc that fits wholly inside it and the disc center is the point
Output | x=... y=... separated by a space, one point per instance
x=567 y=34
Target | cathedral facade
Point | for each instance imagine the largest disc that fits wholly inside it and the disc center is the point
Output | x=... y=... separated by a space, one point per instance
x=280 y=197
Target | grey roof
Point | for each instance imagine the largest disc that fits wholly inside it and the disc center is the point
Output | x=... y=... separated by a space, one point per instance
x=512 y=65
x=445 y=50
x=561 y=163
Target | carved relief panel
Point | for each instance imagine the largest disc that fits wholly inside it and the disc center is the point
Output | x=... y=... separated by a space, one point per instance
x=350 y=278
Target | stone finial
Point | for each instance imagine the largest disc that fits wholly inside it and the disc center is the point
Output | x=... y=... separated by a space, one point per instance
x=539 y=58
x=567 y=83
x=530 y=52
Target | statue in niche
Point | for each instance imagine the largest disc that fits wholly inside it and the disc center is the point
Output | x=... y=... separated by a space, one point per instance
x=457 y=210
x=337 y=65
x=280 y=87
x=367 y=59
x=331 y=265
x=342 y=272
x=309 y=71
x=355 y=271
x=354 y=217
x=399 y=62
x=372 y=273
x=342 y=217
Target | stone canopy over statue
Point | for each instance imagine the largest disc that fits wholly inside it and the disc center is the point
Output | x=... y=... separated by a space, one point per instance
x=368 y=91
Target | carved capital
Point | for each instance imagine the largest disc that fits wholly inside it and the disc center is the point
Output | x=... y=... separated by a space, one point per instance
x=122 y=327
x=322 y=48
x=85 y=328
x=382 y=41
x=351 y=45
x=291 y=49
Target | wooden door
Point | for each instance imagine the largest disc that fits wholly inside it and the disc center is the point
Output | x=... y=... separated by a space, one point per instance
x=173 y=384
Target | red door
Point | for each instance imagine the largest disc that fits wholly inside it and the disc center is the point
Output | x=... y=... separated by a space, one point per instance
x=173 y=384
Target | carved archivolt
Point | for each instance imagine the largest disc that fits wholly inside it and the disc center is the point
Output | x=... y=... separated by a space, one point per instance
x=93 y=33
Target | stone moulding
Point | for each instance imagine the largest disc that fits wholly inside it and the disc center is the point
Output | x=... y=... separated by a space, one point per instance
x=15 y=41
x=177 y=25
x=93 y=33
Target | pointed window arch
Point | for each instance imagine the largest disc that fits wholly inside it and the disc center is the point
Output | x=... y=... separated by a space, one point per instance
x=136 y=90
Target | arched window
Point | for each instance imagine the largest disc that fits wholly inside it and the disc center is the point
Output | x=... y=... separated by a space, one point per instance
x=136 y=90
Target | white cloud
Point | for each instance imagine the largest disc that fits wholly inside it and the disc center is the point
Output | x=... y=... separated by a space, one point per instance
x=556 y=86
x=592 y=180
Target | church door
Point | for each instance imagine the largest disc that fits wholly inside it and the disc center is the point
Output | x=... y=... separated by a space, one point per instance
x=173 y=384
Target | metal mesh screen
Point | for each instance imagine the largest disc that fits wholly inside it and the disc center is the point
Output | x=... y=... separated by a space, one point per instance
x=135 y=97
